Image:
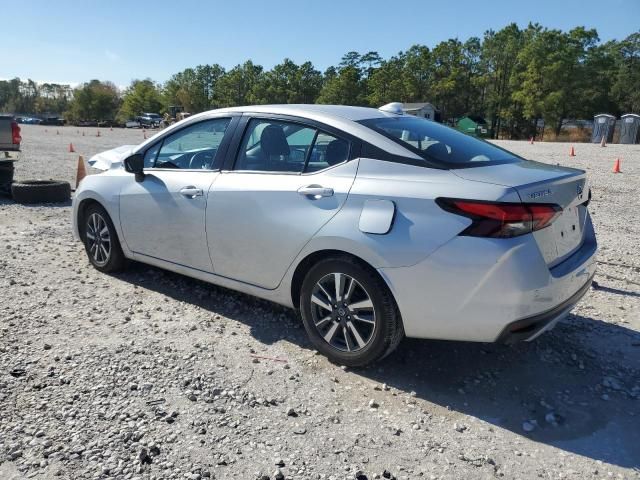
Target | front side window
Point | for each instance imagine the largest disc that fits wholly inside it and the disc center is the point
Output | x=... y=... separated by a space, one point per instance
x=438 y=144
x=191 y=148
x=279 y=146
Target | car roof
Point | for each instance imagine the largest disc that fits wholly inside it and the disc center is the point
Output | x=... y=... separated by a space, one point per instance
x=343 y=117
x=346 y=112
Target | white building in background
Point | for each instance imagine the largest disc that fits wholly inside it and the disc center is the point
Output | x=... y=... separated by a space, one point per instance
x=422 y=110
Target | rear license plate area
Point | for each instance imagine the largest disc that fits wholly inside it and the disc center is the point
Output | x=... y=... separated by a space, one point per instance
x=568 y=230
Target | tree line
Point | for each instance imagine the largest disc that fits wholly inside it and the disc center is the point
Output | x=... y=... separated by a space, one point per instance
x=514 y=77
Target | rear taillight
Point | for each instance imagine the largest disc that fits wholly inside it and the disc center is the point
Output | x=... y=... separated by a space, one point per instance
x=501 y=219
x=15 y=133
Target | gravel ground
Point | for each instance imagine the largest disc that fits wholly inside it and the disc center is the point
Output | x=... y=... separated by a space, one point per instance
x=151 y=375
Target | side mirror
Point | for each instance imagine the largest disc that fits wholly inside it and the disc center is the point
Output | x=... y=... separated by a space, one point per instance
x=135 y=164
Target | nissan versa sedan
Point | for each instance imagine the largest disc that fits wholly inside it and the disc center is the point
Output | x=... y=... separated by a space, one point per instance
x=372 y=224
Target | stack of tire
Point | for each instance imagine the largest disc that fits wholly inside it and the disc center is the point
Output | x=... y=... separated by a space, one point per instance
x=32 y=191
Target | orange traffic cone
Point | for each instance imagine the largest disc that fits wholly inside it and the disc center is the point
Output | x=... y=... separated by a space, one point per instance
x=572 y=153
x=144 y=134
x=603 y=143
x=81 y=172
x=57 y=132
x=531 y=140
x=616 y=166
x=83 y=134
x=98 y=134
x=71 y=149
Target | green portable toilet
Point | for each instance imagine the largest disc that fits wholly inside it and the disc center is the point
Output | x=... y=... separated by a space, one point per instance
x=474 y=125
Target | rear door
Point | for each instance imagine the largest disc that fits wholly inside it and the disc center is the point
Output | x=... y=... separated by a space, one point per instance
x=163 y=216
x=289 y=178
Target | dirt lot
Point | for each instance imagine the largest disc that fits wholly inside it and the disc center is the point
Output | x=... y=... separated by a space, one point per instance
x=151 y=375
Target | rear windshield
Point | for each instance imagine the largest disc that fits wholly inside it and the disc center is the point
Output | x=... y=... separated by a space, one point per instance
x=440 y=145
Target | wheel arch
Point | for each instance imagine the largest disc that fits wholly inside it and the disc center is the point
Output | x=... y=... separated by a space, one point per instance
x=80 y=212
x=82 y=209
x=312 y=258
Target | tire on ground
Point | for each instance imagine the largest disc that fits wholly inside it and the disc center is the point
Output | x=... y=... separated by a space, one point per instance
x=40 y=191
x=117 y=260
x=6 y=177
x=389 y=331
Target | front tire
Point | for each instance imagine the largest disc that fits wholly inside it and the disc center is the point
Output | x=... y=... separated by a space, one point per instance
x=101 y=240
x=349 y=312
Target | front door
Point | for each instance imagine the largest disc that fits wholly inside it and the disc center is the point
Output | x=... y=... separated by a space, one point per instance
x=163 y=216
x=289 y=179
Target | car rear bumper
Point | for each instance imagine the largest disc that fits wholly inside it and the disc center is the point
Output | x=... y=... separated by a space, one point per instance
x=527 y=329
x=477 y=289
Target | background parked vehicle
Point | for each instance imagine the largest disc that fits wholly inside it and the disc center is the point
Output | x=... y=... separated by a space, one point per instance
x=29 y=120
x=85 y=123
x=133 y=123
x=109 y=123
x=10 y=139
x=149 y=120
x=53 y=121
x=174 y=114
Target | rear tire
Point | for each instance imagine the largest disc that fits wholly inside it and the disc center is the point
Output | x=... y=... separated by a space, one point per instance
x=101 y=240
x=354 y=324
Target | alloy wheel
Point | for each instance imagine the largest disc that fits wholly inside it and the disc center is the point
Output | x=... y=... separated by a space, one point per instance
x=343 y=312
x=98 y=239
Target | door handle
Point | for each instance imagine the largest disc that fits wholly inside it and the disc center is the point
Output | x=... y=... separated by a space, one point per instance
x=315 y=192
x=191 y=192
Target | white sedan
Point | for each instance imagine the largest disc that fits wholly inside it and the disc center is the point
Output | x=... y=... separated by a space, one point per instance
x=373 y=224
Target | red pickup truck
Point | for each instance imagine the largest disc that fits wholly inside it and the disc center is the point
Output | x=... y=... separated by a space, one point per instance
x=9 y=151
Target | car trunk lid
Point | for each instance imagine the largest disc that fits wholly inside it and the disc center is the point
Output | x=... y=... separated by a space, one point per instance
x=537 y=182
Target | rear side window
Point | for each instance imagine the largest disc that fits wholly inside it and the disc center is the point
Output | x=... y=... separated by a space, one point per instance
x=439 y=144
x=327 y=151
x=280 y=146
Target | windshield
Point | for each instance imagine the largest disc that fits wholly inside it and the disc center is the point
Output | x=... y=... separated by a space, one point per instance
x=440 y=144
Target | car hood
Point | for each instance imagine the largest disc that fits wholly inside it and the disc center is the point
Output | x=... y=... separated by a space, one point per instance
x=111 y=159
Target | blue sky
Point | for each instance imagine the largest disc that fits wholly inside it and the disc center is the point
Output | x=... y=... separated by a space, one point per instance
x=74 y=41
